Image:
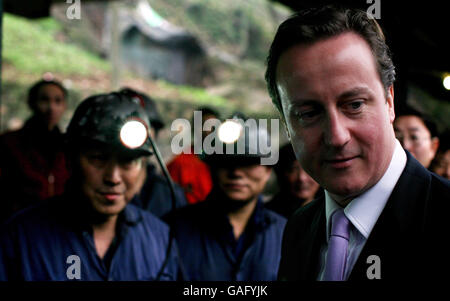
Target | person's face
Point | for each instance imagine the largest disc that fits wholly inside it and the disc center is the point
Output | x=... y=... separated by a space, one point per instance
x=140 y=180
x=300 y=184
x=442 y=166
x=243 y=183
x=337 y=115
x=416 y=138
x=153 y=133
x=109 y=179
x=50 y=104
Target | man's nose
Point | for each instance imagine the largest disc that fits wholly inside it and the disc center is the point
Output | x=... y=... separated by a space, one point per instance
x=336 y=131
x=53 y=105
x=233 y=172
x=302 y=176
x=112 y=173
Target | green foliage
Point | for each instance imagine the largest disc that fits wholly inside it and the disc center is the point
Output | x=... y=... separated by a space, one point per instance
x=195 y=95
x=30 y=46
x=14 y=97
x=240 y=28
x=244 y=28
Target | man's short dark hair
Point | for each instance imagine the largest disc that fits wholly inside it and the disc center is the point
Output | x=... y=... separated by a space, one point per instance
x=444 y=141
x=208 y=111
x=33 y=92
x=311 y=25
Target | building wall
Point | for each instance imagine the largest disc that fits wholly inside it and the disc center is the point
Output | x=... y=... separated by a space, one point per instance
x=158 y=61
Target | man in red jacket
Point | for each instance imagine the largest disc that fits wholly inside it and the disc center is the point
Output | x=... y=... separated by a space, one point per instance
x=190 y=172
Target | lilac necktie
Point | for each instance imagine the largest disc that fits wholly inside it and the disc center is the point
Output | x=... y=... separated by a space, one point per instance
x=337 y=247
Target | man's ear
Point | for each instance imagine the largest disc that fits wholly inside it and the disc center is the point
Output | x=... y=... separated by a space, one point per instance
x=390 y=102
x=434 y=145
x=283 y=120
x=287 y=132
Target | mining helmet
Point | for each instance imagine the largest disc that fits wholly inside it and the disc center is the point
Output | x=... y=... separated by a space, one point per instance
x=149 y=106
x=241 y=140
x=115 y=119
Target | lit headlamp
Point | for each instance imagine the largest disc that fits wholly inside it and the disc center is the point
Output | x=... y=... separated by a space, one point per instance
x=446 y=82
x=230 y=131
x=133 y=133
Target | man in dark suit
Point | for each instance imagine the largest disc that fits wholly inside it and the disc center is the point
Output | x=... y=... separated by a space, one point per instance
x=331 y=77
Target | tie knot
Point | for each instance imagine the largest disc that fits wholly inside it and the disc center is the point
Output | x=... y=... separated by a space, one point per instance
x=340 y=225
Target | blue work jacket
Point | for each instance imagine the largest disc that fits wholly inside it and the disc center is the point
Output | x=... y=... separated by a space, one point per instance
x=155 y=195
x=52 y=241
x=209 y=250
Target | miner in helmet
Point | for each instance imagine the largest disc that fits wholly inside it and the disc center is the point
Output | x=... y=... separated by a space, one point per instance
x=231 y=236
x=91 y=232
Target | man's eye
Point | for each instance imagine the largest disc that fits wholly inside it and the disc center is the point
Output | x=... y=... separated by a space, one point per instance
x=130 y=162
x=414 y=138
x=307 y=116
x=355 y=105
x=97 y=157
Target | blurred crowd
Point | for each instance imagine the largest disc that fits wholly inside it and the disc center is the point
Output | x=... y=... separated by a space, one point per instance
x=222 y=227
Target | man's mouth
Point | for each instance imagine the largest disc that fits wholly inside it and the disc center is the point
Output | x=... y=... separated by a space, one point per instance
x=110 y=196
x=340 y=162
x=234 y=186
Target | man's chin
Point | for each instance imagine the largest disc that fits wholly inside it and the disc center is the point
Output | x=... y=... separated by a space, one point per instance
x=344 y=194
x=109 y=210
x=238 y=197
x=239 y=201
x=301 y=195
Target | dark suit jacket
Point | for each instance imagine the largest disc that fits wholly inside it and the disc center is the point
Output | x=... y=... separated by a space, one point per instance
x=410 y=237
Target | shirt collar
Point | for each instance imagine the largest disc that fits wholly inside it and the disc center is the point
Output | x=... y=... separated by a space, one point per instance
x=364 y=210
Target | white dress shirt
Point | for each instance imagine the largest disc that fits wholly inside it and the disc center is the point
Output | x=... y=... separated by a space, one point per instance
x=363 y=211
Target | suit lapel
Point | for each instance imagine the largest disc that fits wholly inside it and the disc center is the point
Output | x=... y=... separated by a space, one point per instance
x=310 y=245
x=398 y=223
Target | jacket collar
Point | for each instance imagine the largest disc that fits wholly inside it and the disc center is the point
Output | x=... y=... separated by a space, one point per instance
x=218 y=213
x=312 y=240
x=399 y=219
x=131 y=215
x=75 y=212
x=34 y=125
